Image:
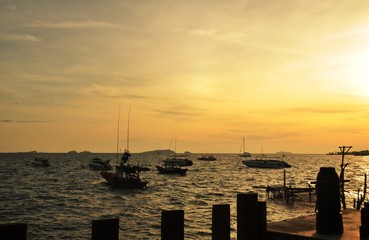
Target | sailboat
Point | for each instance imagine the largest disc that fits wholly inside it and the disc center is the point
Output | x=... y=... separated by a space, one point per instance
x=173 y=164
x=244 y=153
x=125 y=175
x=179 y=160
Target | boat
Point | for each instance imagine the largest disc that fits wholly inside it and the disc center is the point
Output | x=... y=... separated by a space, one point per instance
x=266 y=162
x=171 y=168
x=126 y=175
x=99 y=164
x=179 y=160
x=207 y=158
x=40 y=162
x=243 y=153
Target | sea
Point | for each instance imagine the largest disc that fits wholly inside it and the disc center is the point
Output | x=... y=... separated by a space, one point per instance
x=60 y=202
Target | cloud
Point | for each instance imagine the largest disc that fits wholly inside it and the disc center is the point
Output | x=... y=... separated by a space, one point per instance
x=11 y=7
x=110 y=92
x=22 y=121
x=19 y=37
x=74 y=24
x=203 y=32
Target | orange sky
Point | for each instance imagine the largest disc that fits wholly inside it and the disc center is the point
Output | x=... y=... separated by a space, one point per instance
x=287 y=75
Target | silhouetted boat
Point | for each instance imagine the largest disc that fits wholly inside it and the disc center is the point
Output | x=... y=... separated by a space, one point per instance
x=99 y=164
x=40 y=162
x=125 y=175
x=266 y=162
x=244 y=153
x=179 y=160
x=171 y=169
x=207 y=158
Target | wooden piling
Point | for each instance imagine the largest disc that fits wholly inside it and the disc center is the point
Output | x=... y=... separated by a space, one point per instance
x=262 y=213
x=284 y=185
x=221 y=224
x=172 y=225
x=364 y=227
x=105 y=229
x=247 y=216
x=13 y=231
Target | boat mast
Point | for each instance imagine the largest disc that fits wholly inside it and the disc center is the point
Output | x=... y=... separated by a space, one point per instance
x=129 y=114
x=118 y=137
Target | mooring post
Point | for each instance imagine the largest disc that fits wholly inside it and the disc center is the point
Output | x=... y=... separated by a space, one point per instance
x=105 y=229
x=262 y=213
x=221 y=224
x=247 y=216
x=172 y=225
x=284 y=184
x=364 y=227
x=13 y=231
x=329 y=215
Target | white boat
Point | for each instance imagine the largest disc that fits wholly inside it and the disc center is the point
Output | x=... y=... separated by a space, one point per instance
x=266 y=162
x=99 y=164
x=177 y=159
x=243 y=153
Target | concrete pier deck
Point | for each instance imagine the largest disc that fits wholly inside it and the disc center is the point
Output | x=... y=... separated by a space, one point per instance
x=305 y=226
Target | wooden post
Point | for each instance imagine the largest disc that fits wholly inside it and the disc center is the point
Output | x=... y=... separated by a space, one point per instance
x=344 y=151
x=262 y=213
x=13 y=231
x=247 y=216
x=364 y=227
x=284 y=184
x=172 y=225
x=221 y=224
x=105 y=229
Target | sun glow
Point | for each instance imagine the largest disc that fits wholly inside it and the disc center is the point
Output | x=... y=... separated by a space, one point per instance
x=358 y=72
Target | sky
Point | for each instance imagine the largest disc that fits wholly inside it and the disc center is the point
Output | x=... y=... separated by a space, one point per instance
x=287 y=75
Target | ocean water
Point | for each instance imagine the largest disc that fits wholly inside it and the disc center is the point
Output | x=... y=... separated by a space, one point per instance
x=60 y=202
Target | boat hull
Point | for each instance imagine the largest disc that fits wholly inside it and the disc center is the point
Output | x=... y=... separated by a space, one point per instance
x=206 y=158
x=178 y=162
x=120 y=182
x=98 y=165
x=171 y=170
x=266 y=163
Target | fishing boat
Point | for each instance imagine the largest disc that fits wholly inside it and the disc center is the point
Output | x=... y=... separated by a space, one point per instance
x=40 y=162
x=170 y=168
x=99 y=164
x=207 y=158
x=126 y=175
x=243 y=153
x=266 y=162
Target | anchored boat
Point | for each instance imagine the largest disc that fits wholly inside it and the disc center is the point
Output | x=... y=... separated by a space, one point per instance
x=266 y=162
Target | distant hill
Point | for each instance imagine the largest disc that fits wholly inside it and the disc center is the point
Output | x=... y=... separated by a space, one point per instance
x=164 y=152
x=283 y=153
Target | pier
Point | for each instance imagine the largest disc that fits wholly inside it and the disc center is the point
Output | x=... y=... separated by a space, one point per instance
x=289 y=193
x=251 y=224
